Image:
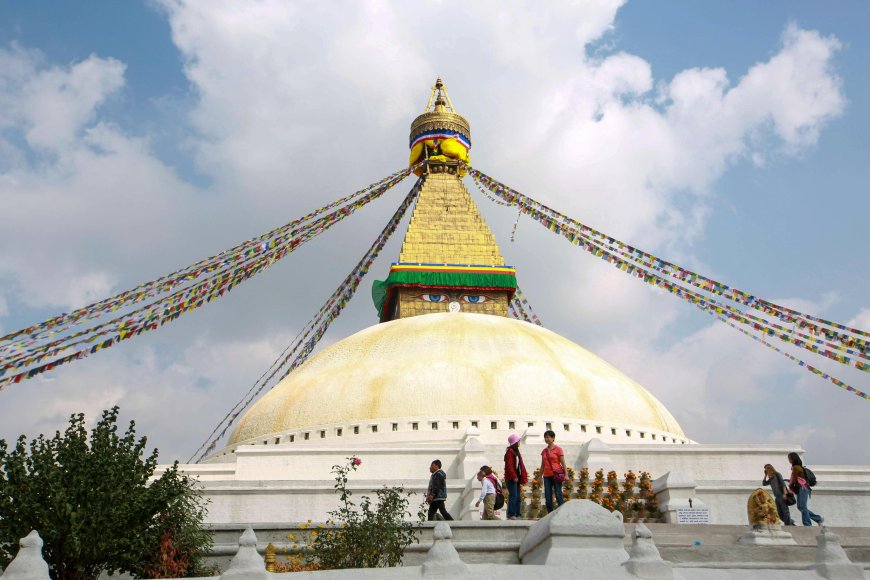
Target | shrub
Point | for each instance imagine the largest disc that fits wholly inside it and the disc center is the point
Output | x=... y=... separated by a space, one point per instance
x=90 y=500
x=368 y=535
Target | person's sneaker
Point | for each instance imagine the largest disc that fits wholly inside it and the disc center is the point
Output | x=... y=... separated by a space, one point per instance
x=512 y=517
x=821 y=520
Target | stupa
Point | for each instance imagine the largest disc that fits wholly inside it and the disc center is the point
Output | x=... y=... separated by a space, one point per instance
x=445 y=373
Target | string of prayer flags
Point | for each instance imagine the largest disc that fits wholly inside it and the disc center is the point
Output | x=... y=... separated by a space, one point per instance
x=302 y=346
x=522 y=304
x=45 y=346
x=144 y=291
x=801 y=363
x=757 y=323
x=656 y=272
x=708 y=284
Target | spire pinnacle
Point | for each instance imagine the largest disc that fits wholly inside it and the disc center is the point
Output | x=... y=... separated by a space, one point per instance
x=439 y=100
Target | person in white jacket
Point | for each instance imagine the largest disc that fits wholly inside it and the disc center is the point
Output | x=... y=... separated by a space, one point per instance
x=487 y=495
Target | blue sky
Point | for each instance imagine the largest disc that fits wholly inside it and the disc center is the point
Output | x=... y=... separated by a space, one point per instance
x=137 y=138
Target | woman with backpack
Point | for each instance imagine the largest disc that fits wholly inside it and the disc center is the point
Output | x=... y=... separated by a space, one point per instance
x=800 y=483
x=515 y=474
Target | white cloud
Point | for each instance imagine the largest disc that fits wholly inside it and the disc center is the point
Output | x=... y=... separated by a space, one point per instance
x=75 y=216
x=294 y=104
x=796 y=88
x=802 y=433
x=860 y=320
x=51 y=105
x=176 y=404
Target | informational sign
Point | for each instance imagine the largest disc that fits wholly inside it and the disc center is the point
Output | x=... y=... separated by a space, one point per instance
x=693 y=515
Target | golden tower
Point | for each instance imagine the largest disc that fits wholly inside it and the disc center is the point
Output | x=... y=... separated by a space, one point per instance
x=449 y=261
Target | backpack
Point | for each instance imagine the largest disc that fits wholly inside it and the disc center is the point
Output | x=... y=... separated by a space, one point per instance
x=809 y=476
x=499 y=495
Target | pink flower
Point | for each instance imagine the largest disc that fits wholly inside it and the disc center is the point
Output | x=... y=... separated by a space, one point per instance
x=356 y=461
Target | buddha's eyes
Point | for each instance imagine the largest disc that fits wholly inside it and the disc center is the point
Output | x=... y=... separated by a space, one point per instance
x=475 y=298
x=433 y=297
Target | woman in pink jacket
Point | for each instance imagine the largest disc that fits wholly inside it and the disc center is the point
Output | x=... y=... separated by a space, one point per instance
x=798 y=484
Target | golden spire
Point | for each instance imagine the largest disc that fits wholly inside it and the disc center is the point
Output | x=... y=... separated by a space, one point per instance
x=446 y=227
x=449 y=259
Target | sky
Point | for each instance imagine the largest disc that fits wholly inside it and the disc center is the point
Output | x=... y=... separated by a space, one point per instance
x=729 y=137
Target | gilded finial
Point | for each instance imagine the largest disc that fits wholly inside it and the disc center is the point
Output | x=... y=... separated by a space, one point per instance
x=440 y=133
x=439 y=99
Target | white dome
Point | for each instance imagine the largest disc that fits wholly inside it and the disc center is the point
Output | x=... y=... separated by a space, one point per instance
x=457 y=365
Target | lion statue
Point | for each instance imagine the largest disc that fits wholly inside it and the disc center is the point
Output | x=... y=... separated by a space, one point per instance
x=761 y=509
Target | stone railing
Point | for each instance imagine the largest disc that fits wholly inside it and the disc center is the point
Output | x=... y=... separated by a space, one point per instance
x=579 y=539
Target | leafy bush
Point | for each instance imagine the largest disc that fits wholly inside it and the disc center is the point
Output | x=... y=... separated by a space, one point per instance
x=90 y=500
x=368 y=535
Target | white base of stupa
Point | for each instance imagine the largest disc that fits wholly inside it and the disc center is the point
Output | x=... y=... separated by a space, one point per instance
x=291 y=482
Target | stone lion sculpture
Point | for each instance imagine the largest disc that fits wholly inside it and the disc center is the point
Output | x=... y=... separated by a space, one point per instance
x=761 y=509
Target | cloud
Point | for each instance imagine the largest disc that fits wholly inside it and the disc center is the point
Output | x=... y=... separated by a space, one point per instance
x=726 y=388
x=81 y=194
x=51 y=105
x=293 y=105
x=860 y=320
x=175 y=400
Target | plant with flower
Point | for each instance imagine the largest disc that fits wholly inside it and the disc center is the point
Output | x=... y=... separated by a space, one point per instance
x=626 y=503
x=568 y=484
x=652 y=502
x=296 y=563
x=371 y=534
x=597 y=487
x=645 y=495
x=598 y=482
x=535 y=503
x=583 y=484
x=612 y=486
x=524 y=505
x=645 y=484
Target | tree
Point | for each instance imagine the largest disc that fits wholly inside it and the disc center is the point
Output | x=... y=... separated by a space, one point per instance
x=91 y=501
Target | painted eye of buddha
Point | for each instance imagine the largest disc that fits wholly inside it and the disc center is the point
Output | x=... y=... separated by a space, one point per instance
x=433 y=297
x=475 y=298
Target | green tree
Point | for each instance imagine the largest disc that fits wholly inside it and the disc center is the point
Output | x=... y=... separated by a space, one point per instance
x=91 y=501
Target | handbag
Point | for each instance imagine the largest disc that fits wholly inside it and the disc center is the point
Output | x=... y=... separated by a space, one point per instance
x=558 y=474
x=790 y=499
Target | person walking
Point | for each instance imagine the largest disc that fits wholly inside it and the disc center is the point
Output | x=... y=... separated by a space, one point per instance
x=799 y=485
x=436 y=495
x=553 y=469
x=487 y=493
x=773 y=478
x=515 y=474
